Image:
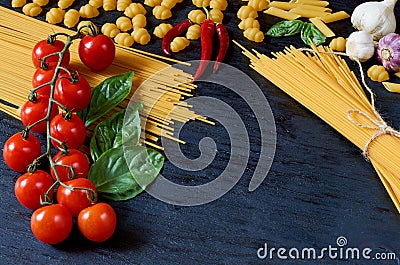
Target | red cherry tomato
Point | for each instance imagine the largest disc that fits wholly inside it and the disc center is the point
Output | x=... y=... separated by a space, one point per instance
x=83 y=195
x=30 y=188
x=42 y=76
x=97 y=223
x=76 y=159
x=20 y=152
x=71 y=131
x=96 y=52
x=51 y=224
x=32 y=112
x=42 y=49
x=75 y=96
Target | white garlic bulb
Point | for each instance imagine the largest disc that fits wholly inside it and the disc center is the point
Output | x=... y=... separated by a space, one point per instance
x=360 y=46
x=377 y=18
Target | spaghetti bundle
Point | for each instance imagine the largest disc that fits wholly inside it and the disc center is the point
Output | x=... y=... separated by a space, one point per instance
x=322 y=82
x=162 y=97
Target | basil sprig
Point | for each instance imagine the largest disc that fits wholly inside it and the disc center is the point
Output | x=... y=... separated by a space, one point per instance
x=122 y=168
x=292 y=27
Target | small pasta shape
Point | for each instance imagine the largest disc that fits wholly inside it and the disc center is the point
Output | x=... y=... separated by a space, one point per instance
x=193 y=32
x=169 y=3
x=378 y=73
x=88 y=11
x=109 y=29
x=64 y=4
x=152 y=3
x=249 y=23
x=139 y=21
x=96 y=3
x=55 y=15
x=124 y=24
x=179 y=43
x=201 y=3
x=124 y=39
x=123 y=4
x=41 y=2
x=338 y=44
x=71 y=18
x=197 y=16
x=219 y=4
x=87 y=30
x=162 y=29
x=32 y=9
x=109 y=5
x=141 y=36
x=18 y=3
x=216 y=15
x=258 y=5
x=161 y=12
x=246 y=12
x=134 y=9
x=254 y=34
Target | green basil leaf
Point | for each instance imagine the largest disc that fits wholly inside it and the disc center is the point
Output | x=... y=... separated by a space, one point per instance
x=112 y=177
x=107 y=95
x=309 y=31
x=285 y=28
x=108 y=133
x=144 y=163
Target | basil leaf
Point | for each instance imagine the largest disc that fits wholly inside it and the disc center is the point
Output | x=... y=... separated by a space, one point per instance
x=107 y=95
x=108 y=133
x=309 y=31
x=112 y=177
x=144 y=163
x=285 y=28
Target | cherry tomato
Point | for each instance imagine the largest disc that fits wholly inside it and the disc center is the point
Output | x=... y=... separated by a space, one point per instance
x=30 y=188
x=83 y=195
x=76 y=159
x=51 y=224
x=19 y=152
x=32 y=112
x=42 y=49
x=42 y=76
x=96 y=52
x=71 y=131
x=97 y=223
x=75 y=96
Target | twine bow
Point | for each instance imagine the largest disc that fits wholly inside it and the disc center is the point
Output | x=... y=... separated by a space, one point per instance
x=380 y=126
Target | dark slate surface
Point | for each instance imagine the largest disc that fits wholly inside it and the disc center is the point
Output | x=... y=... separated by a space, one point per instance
x=319 y=186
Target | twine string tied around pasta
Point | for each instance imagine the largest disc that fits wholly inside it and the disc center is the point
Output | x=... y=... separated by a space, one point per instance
x=379 y=124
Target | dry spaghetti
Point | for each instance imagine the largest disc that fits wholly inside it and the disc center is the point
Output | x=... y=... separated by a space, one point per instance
x=162 y=97
x=323 y=82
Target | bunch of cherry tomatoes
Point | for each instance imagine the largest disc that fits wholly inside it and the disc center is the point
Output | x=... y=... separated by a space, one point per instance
x=63 y=192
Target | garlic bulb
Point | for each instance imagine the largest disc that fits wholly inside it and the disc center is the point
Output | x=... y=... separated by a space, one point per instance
x=377 y=18
x=360 y=46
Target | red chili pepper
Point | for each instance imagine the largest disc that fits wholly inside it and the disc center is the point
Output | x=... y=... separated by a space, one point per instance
x=207 y=35
x=223 y=37
x=177 y=30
